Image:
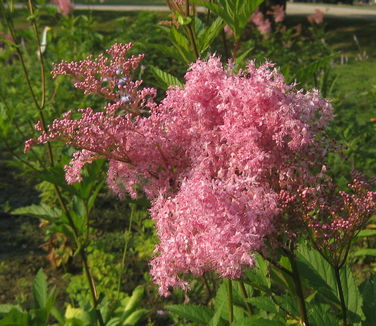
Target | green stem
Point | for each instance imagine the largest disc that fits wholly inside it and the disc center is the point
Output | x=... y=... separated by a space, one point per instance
x=235 y=50
x=298 y=289
x=125 y=249
x=230 y=301
x=85 y=261
x=341 y=296
x=245 y=295
x=225 y=46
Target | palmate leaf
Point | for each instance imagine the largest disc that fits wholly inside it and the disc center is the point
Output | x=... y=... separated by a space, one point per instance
x=194 y=313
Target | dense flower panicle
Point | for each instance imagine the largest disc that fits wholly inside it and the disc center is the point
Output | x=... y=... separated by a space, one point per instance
x=214 y=156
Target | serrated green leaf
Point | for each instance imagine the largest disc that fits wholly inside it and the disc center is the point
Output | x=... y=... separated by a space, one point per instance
x=217 y=320
x=320 y=315
x=194 y=313
x=264 y=304
x=317 y=271
x=40 y=211
x=208 y=36
x=39 y=289
x=353 y=299
x=166 y=78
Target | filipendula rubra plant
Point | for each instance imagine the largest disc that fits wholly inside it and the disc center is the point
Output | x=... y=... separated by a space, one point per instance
x=219 y=158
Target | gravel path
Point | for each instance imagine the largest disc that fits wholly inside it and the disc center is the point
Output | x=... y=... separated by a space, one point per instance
x=292 y=9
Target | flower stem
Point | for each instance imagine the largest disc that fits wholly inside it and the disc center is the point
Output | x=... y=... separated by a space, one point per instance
x=230 y=301
x=245 y=295
x=298 y=288
x=341 y=296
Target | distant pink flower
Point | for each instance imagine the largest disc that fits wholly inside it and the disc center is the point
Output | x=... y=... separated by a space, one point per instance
x=263 y=25
x=317 y=17
x=228 y=30
x=278 y=13
x=65 y=6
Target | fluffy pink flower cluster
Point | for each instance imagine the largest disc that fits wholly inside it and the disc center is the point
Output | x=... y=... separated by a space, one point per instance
x=213 y=157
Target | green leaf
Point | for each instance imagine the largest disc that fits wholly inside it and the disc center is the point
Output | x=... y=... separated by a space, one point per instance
x=39 y=289
x=135 y=299
x=353 y=299
x=205 y=39
x=288 y=303
x=15 y=317
x=182 y=45
x=166 y=78
x=366 y=233
x=259 y=276
x=5 y=308
x=318 y=272
x=365 y=252
x=184 y=20
x=320 y=315
x=368 y=291
x=264 y=304
x=217 y=320
x=194 y=313
x=43 y=211
x=135 y=317
x=254 y=321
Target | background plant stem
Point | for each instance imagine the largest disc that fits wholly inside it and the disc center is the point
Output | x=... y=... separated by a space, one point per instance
x=298 y=288
x=341 y=296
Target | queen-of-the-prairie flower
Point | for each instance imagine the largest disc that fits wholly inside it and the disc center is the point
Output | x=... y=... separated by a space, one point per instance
x=213 y=157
